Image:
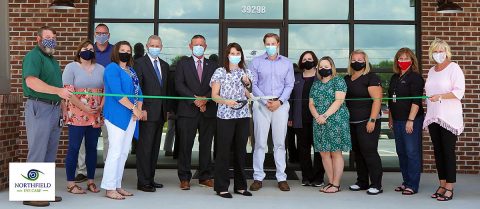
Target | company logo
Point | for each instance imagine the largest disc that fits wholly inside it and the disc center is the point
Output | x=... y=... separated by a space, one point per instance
x=32 y=175
x=32 y=181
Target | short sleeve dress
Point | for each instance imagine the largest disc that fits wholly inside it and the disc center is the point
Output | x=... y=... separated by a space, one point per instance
x=334 y=135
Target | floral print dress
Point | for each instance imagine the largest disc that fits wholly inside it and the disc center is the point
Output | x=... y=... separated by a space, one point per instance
x=335 y=134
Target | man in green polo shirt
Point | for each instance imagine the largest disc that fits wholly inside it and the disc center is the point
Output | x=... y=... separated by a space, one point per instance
x=42 y=85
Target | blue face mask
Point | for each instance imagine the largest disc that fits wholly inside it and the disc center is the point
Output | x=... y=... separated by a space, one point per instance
x=271 y=50
x=198 y=51
x=49 y=43
x=154 y=52
x=235 y=59
x=101 y=38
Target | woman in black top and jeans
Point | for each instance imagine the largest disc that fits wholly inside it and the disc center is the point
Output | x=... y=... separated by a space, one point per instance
x=364 y=123
x=406 y=118
x=301 y=119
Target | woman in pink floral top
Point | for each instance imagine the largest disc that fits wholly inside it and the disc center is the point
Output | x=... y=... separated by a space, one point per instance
x=83 y=114
x=445 y=86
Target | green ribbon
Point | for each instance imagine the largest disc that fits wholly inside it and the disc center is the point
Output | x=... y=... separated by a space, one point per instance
x=195 y=98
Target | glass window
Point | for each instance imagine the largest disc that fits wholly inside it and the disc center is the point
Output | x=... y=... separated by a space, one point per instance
x=254 y=9
x=131 y=32
x=176 y=37
x=325 y=40
x=381 y=42
x=191 y=9
x=318 y=9
x=384 y=10
x=126 y=9
x=251 y=40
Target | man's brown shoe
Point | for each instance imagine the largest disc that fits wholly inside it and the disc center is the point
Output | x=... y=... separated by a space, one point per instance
x=206 y=183
x=57 y=199
x=37 y=203
x=256 y=185
x=283 y=186
x=184 y=185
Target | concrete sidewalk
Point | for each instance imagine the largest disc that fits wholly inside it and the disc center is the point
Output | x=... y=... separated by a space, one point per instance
x=467 y=195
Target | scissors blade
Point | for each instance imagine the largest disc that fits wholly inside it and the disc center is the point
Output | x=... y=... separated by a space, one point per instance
x=261 y=98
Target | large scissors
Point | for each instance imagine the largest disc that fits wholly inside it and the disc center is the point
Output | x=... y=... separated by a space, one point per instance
x=243 y=102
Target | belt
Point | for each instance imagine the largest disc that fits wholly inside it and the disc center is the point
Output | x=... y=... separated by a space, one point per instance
x=50 y=102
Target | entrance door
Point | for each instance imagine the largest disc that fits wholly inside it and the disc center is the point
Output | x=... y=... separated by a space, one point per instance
x=250 y=38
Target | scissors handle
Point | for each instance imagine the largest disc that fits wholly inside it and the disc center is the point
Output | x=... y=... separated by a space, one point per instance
x=242 y=104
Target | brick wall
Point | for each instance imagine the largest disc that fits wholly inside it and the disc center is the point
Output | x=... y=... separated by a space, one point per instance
x=9 y=123
x=462 y=33
x=26 y=16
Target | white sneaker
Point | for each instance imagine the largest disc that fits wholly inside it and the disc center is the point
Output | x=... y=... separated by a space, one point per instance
x=354 y=187
x=374 y=191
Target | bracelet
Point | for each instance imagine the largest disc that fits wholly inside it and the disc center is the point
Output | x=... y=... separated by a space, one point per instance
x=133 y=107
x=410 y=120
x=325 y=116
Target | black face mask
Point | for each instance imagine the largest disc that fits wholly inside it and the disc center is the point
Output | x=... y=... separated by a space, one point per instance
x=357 y=66
x=87 y=55
x=325 y=72
x=307 y=65
x=124 y=57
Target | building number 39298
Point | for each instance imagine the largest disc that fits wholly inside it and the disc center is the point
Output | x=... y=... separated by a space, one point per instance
x=254 y=9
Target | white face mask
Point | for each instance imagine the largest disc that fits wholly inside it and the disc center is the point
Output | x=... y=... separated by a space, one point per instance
x=439 y=57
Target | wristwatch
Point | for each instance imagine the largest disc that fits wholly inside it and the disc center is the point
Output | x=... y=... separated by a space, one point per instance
x=372 y=120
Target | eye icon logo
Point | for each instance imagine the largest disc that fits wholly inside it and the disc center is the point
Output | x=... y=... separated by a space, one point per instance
x=32 y=175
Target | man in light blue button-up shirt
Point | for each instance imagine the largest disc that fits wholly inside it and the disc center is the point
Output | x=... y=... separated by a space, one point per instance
x=275 y=77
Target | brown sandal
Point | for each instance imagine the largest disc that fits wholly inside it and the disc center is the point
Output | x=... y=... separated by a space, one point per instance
x=124 y=192
x=79 y=189
x=92 y=188
x=337 y=189
x=115 y=196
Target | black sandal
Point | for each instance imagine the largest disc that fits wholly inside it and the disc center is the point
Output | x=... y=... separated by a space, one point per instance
x=331 y=185
x=326 y=187
x=408 y=191
x=443 y=197
x=400 y=188
x=437 y=194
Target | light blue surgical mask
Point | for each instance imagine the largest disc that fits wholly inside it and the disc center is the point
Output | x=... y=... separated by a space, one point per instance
x=154 y=52
x=271 y=50
x=235 y=59
x=198 y=50
x=101 y=38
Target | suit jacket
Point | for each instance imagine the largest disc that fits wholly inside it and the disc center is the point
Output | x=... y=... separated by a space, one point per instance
x=156 y=108
x=187 y=84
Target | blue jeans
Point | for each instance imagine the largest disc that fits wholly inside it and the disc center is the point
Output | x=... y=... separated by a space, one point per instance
x=75 y=138
x=409 y=151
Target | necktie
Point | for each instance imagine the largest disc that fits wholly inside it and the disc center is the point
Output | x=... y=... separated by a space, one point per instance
x=199 y=70
x=157 y=71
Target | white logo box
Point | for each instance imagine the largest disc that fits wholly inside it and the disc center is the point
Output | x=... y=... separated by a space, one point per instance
x=32 y=181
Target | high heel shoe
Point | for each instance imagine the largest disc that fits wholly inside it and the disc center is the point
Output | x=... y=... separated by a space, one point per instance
x=445 y=197
x=437 y=194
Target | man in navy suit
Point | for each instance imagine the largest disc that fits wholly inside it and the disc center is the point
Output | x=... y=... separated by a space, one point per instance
x=152 y=75
x=192 y=79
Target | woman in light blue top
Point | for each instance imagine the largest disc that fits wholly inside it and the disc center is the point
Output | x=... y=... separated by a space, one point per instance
x=230 y=84
x=121 y=117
